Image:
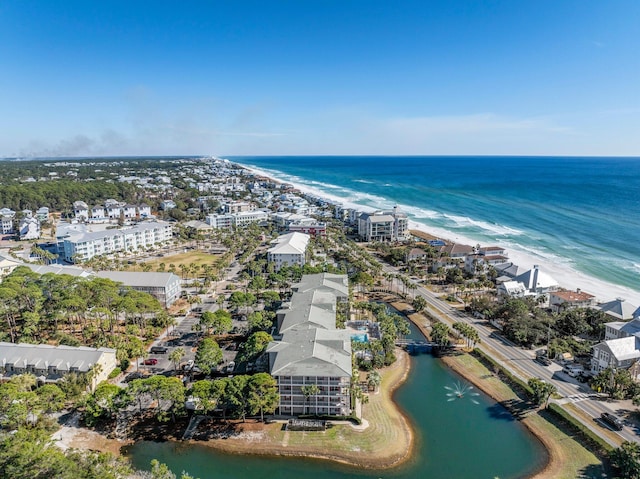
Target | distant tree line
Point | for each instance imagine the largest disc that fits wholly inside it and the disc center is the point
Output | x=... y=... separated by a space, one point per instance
x=59 y=195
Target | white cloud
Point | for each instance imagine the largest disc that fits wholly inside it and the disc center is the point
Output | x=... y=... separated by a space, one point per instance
x=152 y=131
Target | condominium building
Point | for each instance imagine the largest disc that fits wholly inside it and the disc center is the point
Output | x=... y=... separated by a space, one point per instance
x=51 y=363
x=383 y=226
x=289 y=249
x=83 y=246
x=237 y=220
x=315 y=229
x=309 y=353
x=165 y=287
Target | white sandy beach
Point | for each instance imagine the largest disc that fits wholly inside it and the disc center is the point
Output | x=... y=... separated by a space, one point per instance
x=562 y=272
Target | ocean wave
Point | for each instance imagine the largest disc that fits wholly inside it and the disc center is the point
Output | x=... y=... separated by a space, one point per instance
x=420 y=213
x=538 y=253
x=323 y=185
x=494 y=229
x=380 y=202
x=368 y=182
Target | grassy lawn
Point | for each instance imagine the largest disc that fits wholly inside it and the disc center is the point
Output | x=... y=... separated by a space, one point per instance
x=384 y=442
x=196 y=257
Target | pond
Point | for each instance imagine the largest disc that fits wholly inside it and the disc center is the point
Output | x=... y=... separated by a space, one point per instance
x=457 y=437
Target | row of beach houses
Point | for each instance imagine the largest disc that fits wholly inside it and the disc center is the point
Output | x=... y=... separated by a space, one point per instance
x=27 y=227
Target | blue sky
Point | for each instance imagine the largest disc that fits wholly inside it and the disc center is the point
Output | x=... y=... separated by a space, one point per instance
x=308 y=77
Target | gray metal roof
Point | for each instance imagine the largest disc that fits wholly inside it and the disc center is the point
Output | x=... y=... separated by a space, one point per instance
x=312 y=352
x=338 y=283
x=44 y=355
x=619 y=309
x=139 y=279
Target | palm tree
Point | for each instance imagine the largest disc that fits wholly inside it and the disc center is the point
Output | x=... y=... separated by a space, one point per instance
x=176 y=356
x=308 y=391
x=374 y=380
x=94 y=372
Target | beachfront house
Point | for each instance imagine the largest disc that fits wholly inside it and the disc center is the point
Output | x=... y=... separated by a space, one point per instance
x=537 y=282
x=619 y=309
x=564 y=300
x=383 y=226
x=480 y=263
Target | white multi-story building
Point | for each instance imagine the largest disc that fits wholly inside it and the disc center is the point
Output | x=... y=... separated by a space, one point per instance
x=6 y=220
x=246 y=217
x=43 y=214
x=29 y=228
x=165 y=287
x=289 y=249
x=220 y=221
x=383 y=226
x=83 y=246
x=80 y=210
x=229 y=220
x=238 y=207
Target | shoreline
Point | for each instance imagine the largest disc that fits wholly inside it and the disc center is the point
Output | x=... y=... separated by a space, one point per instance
x=555 y=456
x=400 y=450
x=558 y=268
x=393 y=454
x=393 y=446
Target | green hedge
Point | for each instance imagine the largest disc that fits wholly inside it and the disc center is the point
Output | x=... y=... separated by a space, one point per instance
x=595 y=442
x=326 y=417
x=490 y=362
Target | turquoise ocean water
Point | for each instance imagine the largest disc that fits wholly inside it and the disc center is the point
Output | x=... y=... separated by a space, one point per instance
x=582 y=214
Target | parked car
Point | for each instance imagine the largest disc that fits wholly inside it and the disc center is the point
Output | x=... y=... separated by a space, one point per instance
x=545 y=361
x=573 y=370
x=159 y=349
x=150 y=361
x=612 y=420
x=188 y=365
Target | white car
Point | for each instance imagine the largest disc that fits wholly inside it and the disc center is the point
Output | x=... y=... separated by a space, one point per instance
x=573 y=370
x=188 y=365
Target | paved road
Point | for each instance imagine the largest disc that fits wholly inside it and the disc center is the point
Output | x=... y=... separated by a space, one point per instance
x=521 y=364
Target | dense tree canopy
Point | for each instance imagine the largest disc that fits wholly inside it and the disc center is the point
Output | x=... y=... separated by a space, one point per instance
x=71 y=310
